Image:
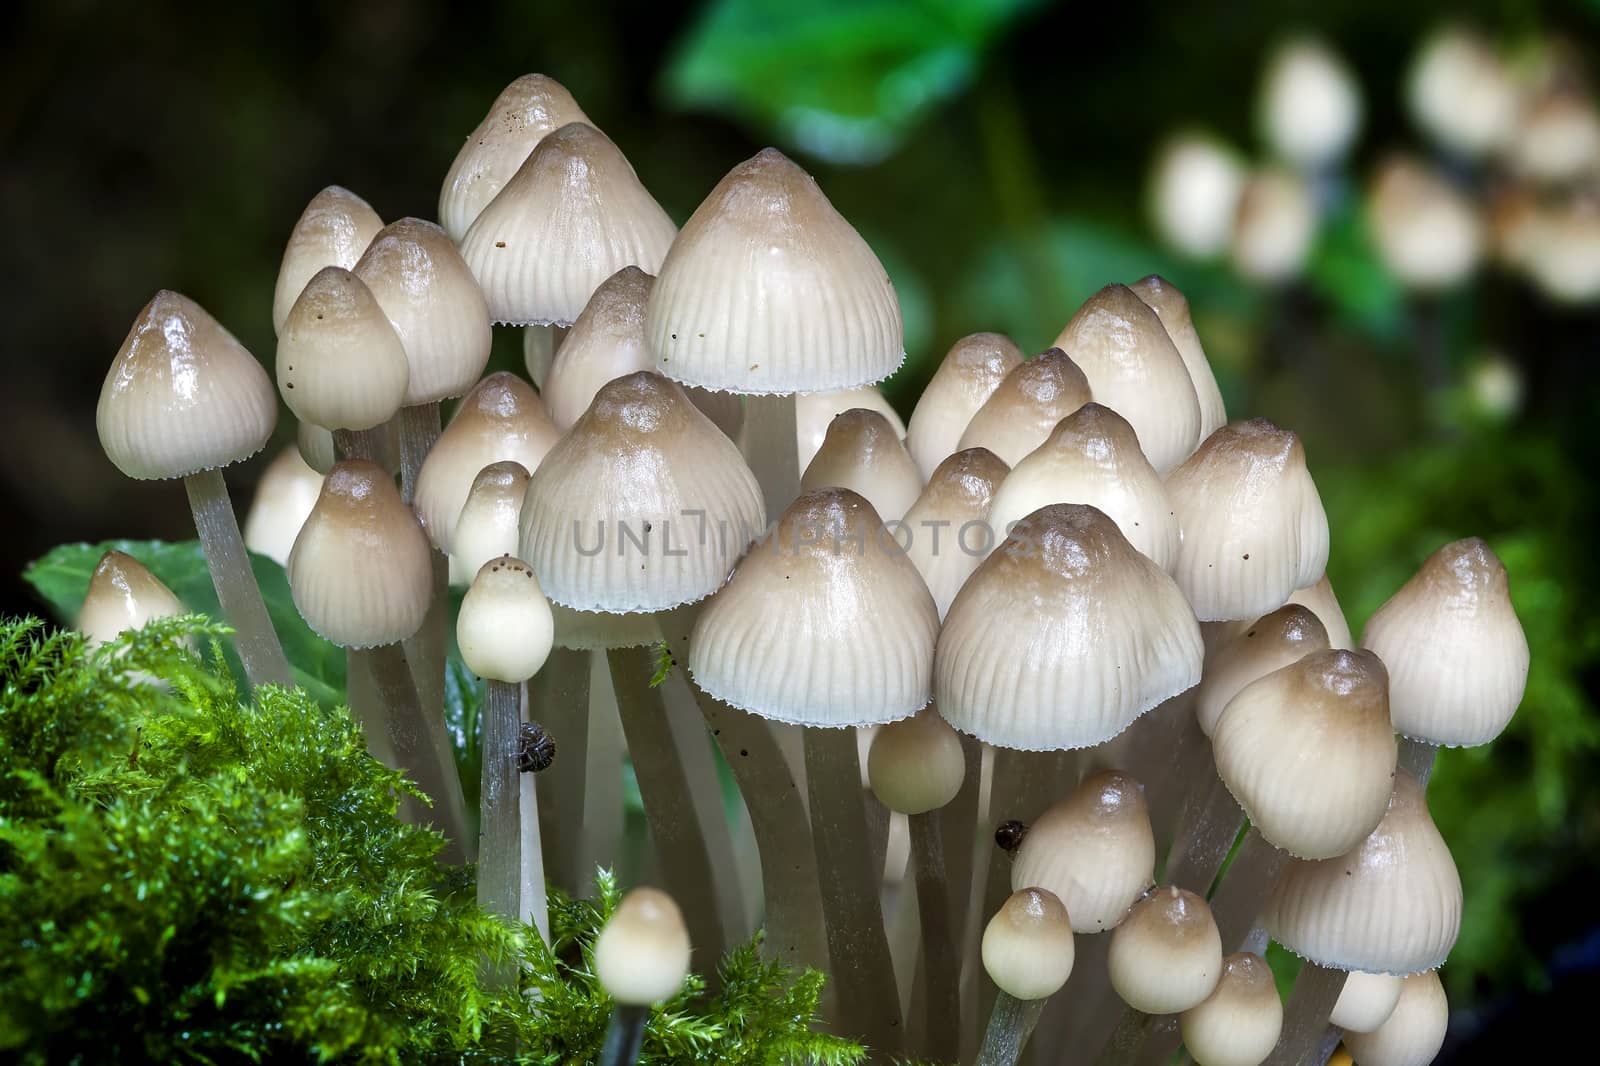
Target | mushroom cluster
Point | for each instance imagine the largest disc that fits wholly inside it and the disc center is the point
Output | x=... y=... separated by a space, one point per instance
x=1067 y=599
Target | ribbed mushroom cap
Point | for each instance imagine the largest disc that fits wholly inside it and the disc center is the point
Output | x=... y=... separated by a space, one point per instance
x=855 y=643
x=500 y=419
x=1317 y=597
x=361 y=571
x=1133 y=366
x=1063 y=636
x=182 y=395
x=333 y=230
x=1271 y=643
x=489 y=524
x=315 y=445
x=1095 y=850
x=601 y=630
x=1027 y=945
x=769 y=290
x=123 y=594
x=340 y=363
x=1274 y=226
x=1457 y=656
x=1413 y=1034
x=1022 y=410
x=916 y=764
x=287 y=491
x=1366 y=1001
x=862 y=452
x=1093 y=457
x=1166 y=956
x=1239 y=1023
x=433 y=303
x=1392 y=904
x=1253 y=525
x=519 y=118
x=605 y=343
x=1308 y=751
x=642 y=506
x=505 y=630
x=1426 y=232
x=1165 y=299
x=574 y=214
x=642 y=955
x=815 y=411
x=949 y=524
x=967 y=376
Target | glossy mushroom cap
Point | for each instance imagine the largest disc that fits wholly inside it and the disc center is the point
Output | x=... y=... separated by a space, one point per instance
x=1166 y=956
x=965 y=379
x=1274 y=641
x=182 y=395
x=814 y=412
x=1169 y=303
x=490 y=520
x=1239 y=1023
x=862 y=452
x=949 y=524
x=1027 y=945
x=340 y=363
x=1366 y=1001
x=505 y=630
x=123 y=594
x=605 y=343
x=287 y=491
x=1413 y=1034
x=1022 y=410
x=1063 y=636
x=642 y=955
x=333 y=230
x=574 y=214
x=854 y=642
x=769 y=290
x=916 y=765
x=1095 y=850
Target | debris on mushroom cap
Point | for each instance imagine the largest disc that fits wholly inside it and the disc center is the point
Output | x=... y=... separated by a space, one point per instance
x=340 y=364
x=642 y=955
x=1022 y=410
x=1270 y=643
x=767 y=265
x=862 y=452
x=1166 y=956
x=815 y=411
x=1172 y=306
x=1239 y=1023
x=505 y=629
x=1413 y=1034
x=1027 y=946
x=965 y=378
x=916 y=765
x=605 y=343
x=333 y=230
x=1366 y=1001
x=949 y=527
x=123 y=594
x=490 y=520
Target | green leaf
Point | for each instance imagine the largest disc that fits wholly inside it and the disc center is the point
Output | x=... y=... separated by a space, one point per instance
x=61 y=578
x=1345 y=270
x=464 y=695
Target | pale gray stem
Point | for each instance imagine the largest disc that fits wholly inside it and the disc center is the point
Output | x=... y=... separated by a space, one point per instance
x=558 y=697
x=959 y=821
x=1210 y=825
x=419 y=430
x=499 y=813
x=1329 y=1044
x=940 y=952
x=1010 y=1025
x=771 y=448
x=532 y=904
x=1092 y=1006
x=1161 y=1041
x=624 y=1035
x=1128 y=1039
x=603 y=816
x=1417 y=759
x=237 y=591
x=1245 y=888
x=358 y=444
x=1305 y=1016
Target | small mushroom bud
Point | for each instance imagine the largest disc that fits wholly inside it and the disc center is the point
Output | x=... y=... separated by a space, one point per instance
x=1239 y=1023
x=642 y=955
x=1166 y=956
x=1027 y=945
x=916 y=764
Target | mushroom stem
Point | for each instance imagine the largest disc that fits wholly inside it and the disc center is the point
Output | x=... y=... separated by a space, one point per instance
x=1010 y=1025
x=419 y=430
x=1206 y=834
x=358 y=444
x=959 y=820
x=624 y=1035
x=532 y=904
x=237 y=591
x=561 y=692
x=863 y=970
x=1417 y=758
x=939 y=948
x=603 y=816
x=1245 y=888
x=770 y=447
x=1305 y=1016
x=1127 y=1039
x=499 y=810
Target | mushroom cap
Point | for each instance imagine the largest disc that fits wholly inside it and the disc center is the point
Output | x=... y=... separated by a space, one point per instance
x=1169 y=303
x=1457 y=656
x=287 y=491
x=1094 y=849
x=916 y=765
x=333 y=230
x=505 y=629
x=1274 y=226
x=574 y=214
x=182 y=395
x=1310 y=103
x=1272 y=642
x=642 y=955
x=1426 y=232
x=966 y=377
x=1022 y=410
x=769 y=290
x=605 y=343
x=815 y=411
x=123 y=594
x=340 y=363
x=315 y=445
x=1194 y=193
x=1413 y=1034
x=1462 y=93
x=1027 y=945
x=856 y=644
x=949 y=524
x=1317 y=597
x=1166 y=956
x=1239 y=1023
x=862 y=452
x=1366 y=1001
x=602 y=631
x=361 y=571
x=1063 y=636
x=490 y=520
x=644 y=505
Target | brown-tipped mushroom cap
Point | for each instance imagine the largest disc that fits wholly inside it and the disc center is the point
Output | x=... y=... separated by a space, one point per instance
x=1366 y=1001
x=1239 y=1023
x=1095 y=850
x=1027 y=945
x=1253 y=525
x=123 y=594
x=340 y=363
x=1166 y=956
x=182 y=395
x=1063 y=636
x=1392 y=904
x=1425 y=231
x=642 y=955
x=1413 y=1034
x=855 y=646
x=916 y=764
x=605 y=343
x=333 y=230
x=505 y=630
x=1022 y=410
x=574 y=214
x=769 y=290
x=815 y=411
x=489 y=526
x=967 y=376
x=949 y=524
x=862 y=452
x=1172 y=306
x=1308 y=751
x=1317 y=597
x=361 y=571
x=1272 y=642
x=1457 y=656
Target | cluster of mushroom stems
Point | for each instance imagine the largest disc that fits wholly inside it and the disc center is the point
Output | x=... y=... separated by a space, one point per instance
x=1076 y=620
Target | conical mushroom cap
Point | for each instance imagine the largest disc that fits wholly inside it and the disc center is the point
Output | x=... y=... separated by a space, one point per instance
x=1063 y=636
x=1308 y=751
x=949 y=524
x=340 y=363
x=967 y=376
x=1425 y=231
x=605 y=343
x=1366 y=1001
x=182 y=395
x=1392 y=904
x=505 y=630
x=490 y=520
x=1415 y=1031
x=1271 y=643
x=1093 y=457
x=123 y=594
x=361 y=571
x=287 y=491
x=642 y=955
x=434 y=304
x=769 y=290
x=856 y=643
x=1134 y=368
x=1166 y=956
x=518 y=120
x=1095 y=850
x=1253 y=525
x=574 y=214
x=1239 y=1023
x=1027 y=945
x=862 y=452
x=1274 y=226
x=916 y=765
x=815 y=411
x=643 y=506
x=1172 y=306
x=1317 y=597
x=1022 y=410
x=333 y=230
x=1457 y=656
x=500 y=419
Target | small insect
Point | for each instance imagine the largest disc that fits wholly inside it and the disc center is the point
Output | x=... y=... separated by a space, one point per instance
x=536 y=749
x=1009 y=835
